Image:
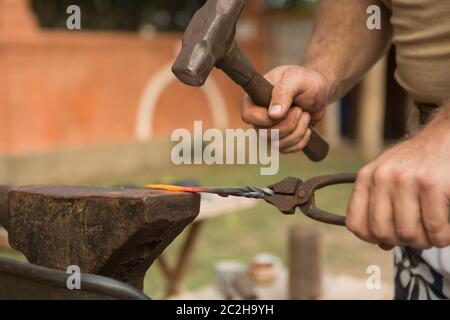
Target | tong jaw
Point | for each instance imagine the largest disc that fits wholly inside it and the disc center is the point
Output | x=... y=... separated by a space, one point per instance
x=285 y=195
x=291 y=193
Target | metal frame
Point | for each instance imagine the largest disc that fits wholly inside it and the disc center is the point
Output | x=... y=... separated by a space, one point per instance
x=19 y=280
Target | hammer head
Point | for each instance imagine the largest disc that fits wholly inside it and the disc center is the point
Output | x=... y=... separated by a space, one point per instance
x=207 y=39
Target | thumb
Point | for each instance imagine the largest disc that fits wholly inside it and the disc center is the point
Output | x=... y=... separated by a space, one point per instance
x=283 y=95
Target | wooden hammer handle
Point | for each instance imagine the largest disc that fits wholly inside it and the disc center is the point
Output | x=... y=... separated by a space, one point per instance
x=260 y=90
x=236 y=65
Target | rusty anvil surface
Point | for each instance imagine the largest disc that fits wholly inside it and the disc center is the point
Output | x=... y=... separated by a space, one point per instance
x=116 y=233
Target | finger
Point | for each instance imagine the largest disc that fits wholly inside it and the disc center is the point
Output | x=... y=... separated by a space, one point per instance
x=407 y=219
x=283 y=94
x=435 y=215
x=381 y=214
x=288 y=126
x=301 y=145
x=358 y=208
x=254 y=115
x=317 y=116
x=297 y=136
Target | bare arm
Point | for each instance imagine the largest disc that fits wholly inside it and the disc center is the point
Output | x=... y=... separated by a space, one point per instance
x=402 y=198
x=342 y=48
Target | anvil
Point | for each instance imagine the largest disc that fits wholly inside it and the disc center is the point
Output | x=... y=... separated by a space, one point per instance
x=116 y=232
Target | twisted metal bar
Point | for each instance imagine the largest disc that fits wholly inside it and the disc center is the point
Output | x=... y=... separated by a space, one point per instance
x=246 y=192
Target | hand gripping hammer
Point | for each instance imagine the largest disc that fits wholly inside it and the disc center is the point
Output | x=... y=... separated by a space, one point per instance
x=209 y=42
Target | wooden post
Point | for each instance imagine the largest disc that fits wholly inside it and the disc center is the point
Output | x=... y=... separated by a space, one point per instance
x=372 y=100
x=305 y=272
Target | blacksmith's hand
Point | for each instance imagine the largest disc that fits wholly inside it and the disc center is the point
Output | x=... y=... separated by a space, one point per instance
x=299 y=98
x=402 y=198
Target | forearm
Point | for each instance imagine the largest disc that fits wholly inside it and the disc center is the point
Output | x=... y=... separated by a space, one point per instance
x=342 y=48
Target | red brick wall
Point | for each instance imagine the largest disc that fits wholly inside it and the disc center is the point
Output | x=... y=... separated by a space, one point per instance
x=71 y=89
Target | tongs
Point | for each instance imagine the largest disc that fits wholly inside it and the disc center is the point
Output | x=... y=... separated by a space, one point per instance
x=287 y=195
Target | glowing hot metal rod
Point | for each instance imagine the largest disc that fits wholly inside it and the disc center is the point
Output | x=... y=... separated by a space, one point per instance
x=246 y=192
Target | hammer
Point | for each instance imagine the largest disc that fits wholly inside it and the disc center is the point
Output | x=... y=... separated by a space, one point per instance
x=209 y=42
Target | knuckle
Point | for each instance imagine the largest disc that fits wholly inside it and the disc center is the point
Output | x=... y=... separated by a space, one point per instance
x=403 y=177
x=291 y=71
x=291 y=122
x=382 y=175
x=284 y=144
x=302 y=137
x=432 y=226
x=440 y=242
x=421 y=244
x=427 y=182
x=303 y=143
x=407 y=234
x=378 y=233
x=364 y=175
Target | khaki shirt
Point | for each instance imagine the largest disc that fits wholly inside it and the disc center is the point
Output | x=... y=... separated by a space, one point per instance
x=422 y=40
x=436 y=261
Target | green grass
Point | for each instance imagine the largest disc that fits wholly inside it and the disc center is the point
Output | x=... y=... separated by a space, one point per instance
x=262 y=228
x=12 y=255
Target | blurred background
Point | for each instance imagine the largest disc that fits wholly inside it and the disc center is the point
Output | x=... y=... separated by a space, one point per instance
x=97 y=106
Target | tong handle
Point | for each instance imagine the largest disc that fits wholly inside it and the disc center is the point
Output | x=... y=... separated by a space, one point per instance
x=310 y=210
